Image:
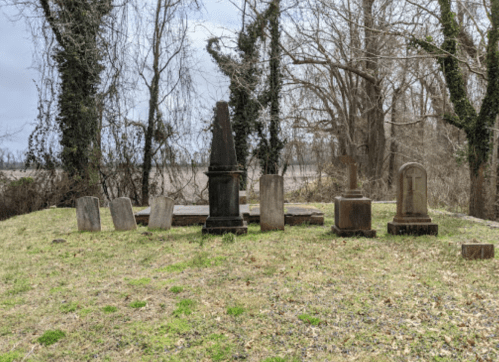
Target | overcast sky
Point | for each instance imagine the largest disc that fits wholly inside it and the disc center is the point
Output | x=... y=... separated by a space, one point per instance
x=18 y=96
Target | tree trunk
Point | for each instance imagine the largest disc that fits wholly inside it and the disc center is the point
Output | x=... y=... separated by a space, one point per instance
x=147 y=165
x=477 y=193
x=374 y=99
x=393 y=140
x=493 y=173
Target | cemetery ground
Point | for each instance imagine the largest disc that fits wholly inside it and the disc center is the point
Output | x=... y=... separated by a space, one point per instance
x=302 y=294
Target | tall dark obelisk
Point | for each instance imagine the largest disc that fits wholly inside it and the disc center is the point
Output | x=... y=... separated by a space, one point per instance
x=223 y=179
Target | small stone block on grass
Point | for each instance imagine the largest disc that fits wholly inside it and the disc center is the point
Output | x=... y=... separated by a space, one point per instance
x=477 y=251
x=122 y=214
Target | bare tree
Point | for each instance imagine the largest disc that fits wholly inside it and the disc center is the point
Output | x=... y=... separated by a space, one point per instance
x=163 y=65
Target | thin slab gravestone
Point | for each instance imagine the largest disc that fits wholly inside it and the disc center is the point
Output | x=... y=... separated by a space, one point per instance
x=161 y=213
x=122 y=214
x=88 y=214
x=271 y=202
x=412 y=209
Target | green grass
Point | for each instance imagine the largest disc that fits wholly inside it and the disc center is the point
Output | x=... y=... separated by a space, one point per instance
x=235 y=311
x=11 y=356
x=69 y=307
x=138 y=304
x=110 y=309
x=310 y=320
x=184 y=307
x=139 y=282
x=176 y=289
x=259 y=298
x=51 y=337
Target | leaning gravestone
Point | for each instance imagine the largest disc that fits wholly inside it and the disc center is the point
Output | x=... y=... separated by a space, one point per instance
x=223 y=179
x=412 y=210
x=352 y=211
x=161 y=213
x=271 y=202
x=122 y=214
x=88 y=214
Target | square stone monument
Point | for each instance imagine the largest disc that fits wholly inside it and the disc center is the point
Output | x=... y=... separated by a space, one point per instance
x=352 y=211
x=223 y=179
x=88 y=214
x=122 y=214
x=412 y=209
x=161 y=213
x=271 y=202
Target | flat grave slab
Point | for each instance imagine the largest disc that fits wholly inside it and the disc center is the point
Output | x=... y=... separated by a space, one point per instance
x=184 y=215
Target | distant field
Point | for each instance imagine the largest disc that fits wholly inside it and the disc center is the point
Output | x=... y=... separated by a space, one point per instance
x=293 y=179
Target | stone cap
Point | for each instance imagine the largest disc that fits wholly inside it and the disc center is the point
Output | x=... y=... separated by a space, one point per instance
x=223 y=152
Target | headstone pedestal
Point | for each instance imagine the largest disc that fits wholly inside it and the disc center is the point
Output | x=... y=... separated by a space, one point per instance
x=223 y=179
x=352 y=211
x=412 y=209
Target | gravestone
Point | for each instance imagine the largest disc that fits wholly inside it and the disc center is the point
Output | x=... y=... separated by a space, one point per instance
x=477 y=251
x=412 y=209
x=161 y=213
x=88 y=214
x=352 y=211
x=122 y=214
x=223 y=179
x=271 y=202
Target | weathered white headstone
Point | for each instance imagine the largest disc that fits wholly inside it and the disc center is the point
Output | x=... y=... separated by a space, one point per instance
x=122 y=214
x=88 y=214
x=161 y=213
x=271 y=202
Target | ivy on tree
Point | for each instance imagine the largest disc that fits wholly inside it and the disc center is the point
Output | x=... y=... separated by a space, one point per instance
x=475 y=125
x=244 y=75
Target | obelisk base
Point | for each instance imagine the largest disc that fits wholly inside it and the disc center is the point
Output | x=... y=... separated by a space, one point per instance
x=346 y=233
x=225 y=225
x=415 y=229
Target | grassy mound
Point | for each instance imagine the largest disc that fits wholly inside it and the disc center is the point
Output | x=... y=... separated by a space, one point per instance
x=298 y=295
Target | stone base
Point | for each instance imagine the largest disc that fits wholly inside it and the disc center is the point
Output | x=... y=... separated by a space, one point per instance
x=477 y=251
x=349 y=233
x=415 y=229
x=352 y=213
x=238 y=230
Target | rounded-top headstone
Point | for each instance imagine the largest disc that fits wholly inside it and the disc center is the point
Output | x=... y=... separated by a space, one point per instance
x=412 y=190
x=122 y=214
x=88 y=214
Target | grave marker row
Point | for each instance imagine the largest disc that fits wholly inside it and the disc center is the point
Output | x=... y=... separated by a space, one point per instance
x=88 y=214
